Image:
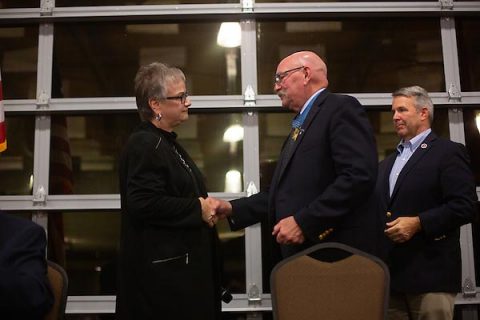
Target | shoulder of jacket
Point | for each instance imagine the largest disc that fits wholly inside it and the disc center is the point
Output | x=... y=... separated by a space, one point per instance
x=145 y=137
x=21 y=225
x=343 y=100
x=340 y=96
x=448 y=147
x=444 y=142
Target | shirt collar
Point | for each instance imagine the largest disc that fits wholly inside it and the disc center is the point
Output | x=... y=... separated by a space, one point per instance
x=415 y=142
x=314 y=96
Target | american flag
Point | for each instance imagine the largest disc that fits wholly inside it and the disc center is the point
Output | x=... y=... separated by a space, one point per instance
x=3 y=129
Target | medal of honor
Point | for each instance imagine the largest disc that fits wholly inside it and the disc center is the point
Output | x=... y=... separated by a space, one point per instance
x=295 y=134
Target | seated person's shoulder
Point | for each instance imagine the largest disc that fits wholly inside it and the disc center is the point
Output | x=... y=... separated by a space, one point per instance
x=11 y=226
x=13 y=220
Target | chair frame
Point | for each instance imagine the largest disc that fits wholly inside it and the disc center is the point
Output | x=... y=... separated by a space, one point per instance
x=63 y=294
x=330 y=245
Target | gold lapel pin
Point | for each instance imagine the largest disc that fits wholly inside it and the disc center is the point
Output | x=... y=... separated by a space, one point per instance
x=295 y=133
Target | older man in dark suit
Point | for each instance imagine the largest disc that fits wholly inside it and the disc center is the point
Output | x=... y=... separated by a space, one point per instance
x=24 y=289
x=426 y=191
x=326 y=170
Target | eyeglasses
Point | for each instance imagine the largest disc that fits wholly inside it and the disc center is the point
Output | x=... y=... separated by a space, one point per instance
x=183 y=97
x=281 y=75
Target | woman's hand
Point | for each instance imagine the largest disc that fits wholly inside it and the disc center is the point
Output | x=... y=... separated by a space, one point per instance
x=208 y=212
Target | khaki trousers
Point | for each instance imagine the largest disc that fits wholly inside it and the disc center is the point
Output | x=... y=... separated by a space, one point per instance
x=425 y=306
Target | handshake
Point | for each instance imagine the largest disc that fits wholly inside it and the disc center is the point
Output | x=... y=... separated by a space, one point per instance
x=214 y=209
x=286 y=231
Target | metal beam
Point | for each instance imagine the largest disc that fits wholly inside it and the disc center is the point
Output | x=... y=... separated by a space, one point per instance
x=235 y=10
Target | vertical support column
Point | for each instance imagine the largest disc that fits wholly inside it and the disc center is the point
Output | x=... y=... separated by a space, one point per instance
x=253 y=238
x=457 y=134
x=42 y=122
x=450 y=58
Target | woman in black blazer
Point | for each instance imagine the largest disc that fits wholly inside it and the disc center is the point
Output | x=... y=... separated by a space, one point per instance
x=168 y=265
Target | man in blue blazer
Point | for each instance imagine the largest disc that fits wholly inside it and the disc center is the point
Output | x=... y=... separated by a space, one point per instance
x=426 y=191
x=24 y=288
x=326 y=170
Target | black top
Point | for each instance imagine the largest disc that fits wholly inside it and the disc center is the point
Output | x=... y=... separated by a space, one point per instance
x=168 y=263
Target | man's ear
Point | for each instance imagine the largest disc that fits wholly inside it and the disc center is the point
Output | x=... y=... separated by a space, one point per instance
x=307 y=73
x=424 y=113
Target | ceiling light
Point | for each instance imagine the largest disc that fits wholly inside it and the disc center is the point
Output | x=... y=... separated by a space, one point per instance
x=233 y=133
x=229 y=35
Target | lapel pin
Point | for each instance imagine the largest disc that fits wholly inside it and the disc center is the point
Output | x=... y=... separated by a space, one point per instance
x=296 y=131
x=423 y=146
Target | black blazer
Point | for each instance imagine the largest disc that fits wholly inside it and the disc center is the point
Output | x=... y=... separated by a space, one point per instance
x=168 y=264
x=436 y=185
x=24 y=288
x=326 y=181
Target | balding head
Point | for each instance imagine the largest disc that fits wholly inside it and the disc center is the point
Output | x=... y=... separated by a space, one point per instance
x=293 y=89
x=312 y=61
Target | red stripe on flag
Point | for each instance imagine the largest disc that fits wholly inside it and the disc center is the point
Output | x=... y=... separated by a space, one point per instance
x=3 y=137
x=3 y=129
x=2 y=132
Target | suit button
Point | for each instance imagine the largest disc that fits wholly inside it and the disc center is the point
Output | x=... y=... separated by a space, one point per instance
x=389 y=214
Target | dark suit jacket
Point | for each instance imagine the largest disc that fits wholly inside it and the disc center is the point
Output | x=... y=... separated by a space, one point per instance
x=24 y=288
x=326 y=181
x=436 y=185
x=168 y=266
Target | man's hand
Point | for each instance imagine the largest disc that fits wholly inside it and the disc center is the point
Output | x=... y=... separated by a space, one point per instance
x=288 y=231
x=402 y=229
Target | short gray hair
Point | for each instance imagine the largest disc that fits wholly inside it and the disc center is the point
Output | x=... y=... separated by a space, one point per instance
x=420 y=97
x=151 y=82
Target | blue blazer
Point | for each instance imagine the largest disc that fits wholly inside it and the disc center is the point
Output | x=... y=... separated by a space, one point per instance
x=436 y=185
x=24 y=288
x=326 y=181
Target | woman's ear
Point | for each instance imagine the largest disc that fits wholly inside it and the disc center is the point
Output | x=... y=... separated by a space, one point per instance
x=154 y=105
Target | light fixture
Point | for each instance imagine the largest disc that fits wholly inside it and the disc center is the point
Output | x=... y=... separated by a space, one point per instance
x=233 y=133
x=233 y=181
x=477 y=121
x=229 y=35
x=30 y=182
